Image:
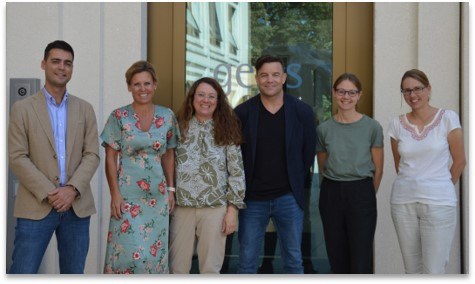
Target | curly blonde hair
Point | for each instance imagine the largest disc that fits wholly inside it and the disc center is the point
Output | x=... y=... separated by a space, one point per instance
x=227 y=127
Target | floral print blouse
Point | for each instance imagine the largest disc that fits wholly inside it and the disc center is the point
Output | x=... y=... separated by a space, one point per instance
x=208 y=175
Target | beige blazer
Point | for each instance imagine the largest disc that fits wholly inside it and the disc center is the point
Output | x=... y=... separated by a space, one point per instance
x=32 y=155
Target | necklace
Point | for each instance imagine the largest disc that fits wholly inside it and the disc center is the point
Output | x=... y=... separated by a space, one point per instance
x=145 y=119
x=146 y=114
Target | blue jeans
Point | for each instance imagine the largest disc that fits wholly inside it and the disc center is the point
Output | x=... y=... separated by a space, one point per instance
x=287 y=217
x=33 y=236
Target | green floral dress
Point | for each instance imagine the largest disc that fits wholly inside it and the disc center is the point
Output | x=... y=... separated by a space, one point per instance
x=138 y=243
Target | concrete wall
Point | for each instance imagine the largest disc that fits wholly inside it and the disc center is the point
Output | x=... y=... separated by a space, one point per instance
x=465 y=103
x=424 y=36
x=107 y=38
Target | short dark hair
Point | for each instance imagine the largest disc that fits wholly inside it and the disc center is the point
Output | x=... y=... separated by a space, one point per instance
x=268 y=59
x=350 y=77
x=59 y=44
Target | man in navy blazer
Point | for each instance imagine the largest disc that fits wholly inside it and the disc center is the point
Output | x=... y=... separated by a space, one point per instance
x=279 y=149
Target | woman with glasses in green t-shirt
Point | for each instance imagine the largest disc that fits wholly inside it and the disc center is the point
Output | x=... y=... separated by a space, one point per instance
x=350 y=162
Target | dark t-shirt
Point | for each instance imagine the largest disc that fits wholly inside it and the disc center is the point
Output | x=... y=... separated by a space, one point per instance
x=270 y=179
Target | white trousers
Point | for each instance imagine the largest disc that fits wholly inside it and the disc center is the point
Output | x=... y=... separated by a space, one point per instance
x=425 y=233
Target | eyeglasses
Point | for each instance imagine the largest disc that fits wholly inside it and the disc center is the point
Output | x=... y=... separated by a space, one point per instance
x=342 y=92
x=416 y=90
x=211 y=97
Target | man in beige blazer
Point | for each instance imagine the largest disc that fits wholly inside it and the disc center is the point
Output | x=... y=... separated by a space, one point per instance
x=54 y=151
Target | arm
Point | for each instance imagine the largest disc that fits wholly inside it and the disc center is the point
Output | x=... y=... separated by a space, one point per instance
x=321 y=158
x=457 y=151
x=236 y=188
x=62 y=199
x=310 y=140
x=230 y=220
x=111 y=175
x=377 y=155
x=396 y=155
x=26 y=171
x=83 y=174
x=168 y=165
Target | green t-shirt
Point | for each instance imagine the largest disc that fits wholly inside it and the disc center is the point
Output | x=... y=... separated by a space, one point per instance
x=348 y=147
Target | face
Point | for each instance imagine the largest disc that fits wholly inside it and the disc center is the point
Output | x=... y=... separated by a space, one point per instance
x=205 y=101
x=343 y=97
x=142 y=88
x=58 y=68
x=270 y=79
x=416 y=95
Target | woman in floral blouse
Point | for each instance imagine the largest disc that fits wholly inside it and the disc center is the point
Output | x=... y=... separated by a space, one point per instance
x=210 y=182
x=141 y=136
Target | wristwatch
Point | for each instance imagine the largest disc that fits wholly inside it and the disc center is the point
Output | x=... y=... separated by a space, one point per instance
x=78 y=194
x=171 y=188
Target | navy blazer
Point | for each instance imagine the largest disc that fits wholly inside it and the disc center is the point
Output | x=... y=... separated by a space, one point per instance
x=300 y=141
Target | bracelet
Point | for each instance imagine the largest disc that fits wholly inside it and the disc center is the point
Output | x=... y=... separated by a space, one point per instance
x=171 y=188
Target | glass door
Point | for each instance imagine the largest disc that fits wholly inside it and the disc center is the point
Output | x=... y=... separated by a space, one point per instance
x=223 y=40
x=187 y=41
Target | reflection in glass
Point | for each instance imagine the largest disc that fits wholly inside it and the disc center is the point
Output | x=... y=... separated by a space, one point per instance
x=192 y=27
x=231 y=20
x=214 y=30
x=300 y=33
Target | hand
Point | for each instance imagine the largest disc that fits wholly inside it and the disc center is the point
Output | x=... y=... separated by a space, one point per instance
x=117 y=203
x=171 y=201
x=62 y=198
x=230 y=219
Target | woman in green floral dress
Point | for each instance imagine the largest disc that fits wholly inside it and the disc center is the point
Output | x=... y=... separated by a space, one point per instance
x=139 y=140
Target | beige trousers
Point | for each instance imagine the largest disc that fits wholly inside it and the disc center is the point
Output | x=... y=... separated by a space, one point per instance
x=202 y=225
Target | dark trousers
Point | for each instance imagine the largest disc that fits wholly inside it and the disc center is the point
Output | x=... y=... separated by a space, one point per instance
x=348 y=211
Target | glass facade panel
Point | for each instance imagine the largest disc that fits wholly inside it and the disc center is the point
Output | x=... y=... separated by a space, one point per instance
x=223 y=40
